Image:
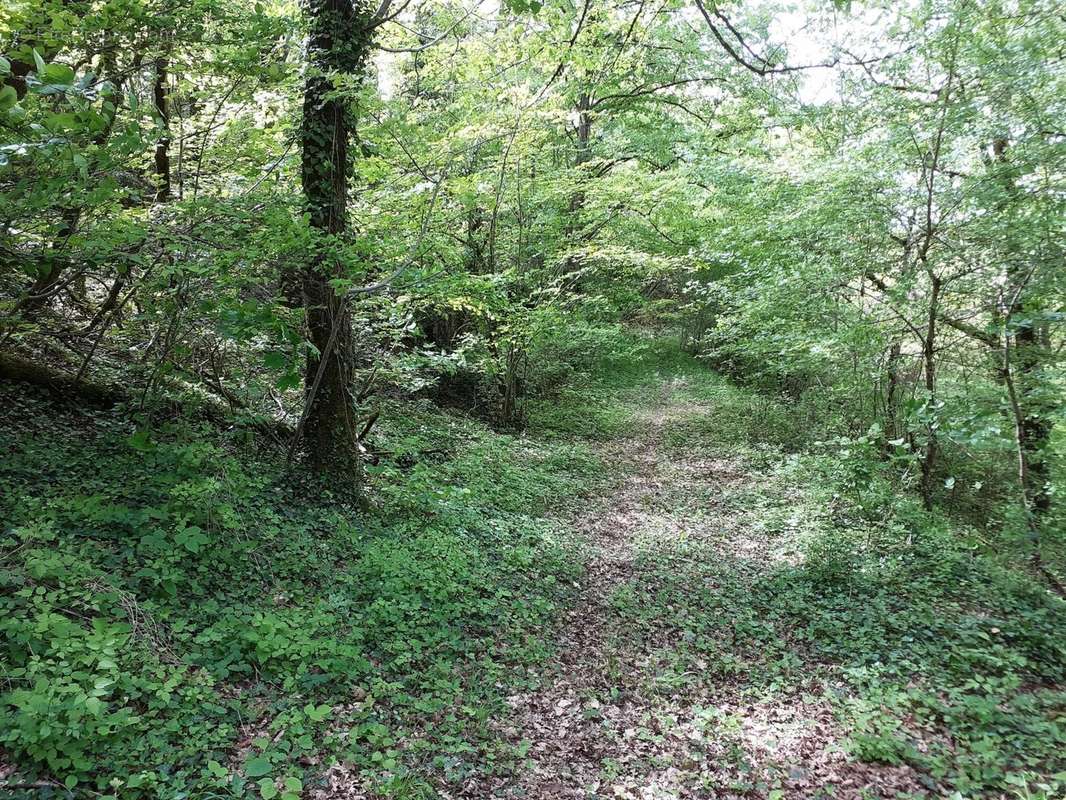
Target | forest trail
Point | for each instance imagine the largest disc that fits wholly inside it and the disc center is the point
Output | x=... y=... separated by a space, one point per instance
x=628 y=711
x=667 y=590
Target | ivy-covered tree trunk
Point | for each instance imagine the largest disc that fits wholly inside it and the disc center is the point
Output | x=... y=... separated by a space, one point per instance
x=582 y=155
x=1034 y=425
x=338 y=45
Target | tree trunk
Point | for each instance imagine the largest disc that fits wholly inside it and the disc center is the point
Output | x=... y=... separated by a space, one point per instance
x=338 y=44
x=894 y=425
x=475 y=255
x=582 y=155
x=583 y=152
x=1034 y=428
x=893 y=428
x=162 y=144
x=931 y=450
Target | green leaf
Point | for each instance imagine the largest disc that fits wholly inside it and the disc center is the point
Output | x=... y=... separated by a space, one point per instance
x=140 y=441
x=8 y=98
x=63 y=121
x=191 y=538
x=59 y=74
x=255 y=767
x=289 y=380
x=267 y=789
x=274 y=360
x=217 y=769
x=317 y=713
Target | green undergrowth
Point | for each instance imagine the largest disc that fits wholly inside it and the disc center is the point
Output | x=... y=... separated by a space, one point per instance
x=832 y=583
x=181 y=616
x=607 y=401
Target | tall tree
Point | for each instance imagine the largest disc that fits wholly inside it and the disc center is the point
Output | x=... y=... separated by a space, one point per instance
x=338 y=47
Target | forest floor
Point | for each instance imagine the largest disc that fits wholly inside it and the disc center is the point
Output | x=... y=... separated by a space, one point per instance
x=666 y=588
x=629 y=710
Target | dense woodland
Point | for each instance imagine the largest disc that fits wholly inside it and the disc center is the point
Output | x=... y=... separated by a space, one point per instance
x=536 y=398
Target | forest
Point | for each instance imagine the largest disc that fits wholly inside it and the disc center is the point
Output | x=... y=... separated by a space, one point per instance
x=542 y=399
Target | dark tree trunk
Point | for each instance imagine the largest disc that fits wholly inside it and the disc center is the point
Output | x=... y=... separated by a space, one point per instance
x=582 y=153
x=162 y=144
x=338 y=44
x=893 y=429
x=475 y=253
x=894 y=425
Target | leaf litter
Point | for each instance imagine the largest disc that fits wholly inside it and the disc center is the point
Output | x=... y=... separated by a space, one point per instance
x=610 y=720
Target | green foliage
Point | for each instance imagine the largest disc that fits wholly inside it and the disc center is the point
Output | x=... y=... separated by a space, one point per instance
x=158 y=588
x=933 y=654
x=867 y=250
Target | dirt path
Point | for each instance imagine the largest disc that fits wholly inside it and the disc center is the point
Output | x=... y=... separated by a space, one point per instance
x=564 y=720
x=617 y=716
